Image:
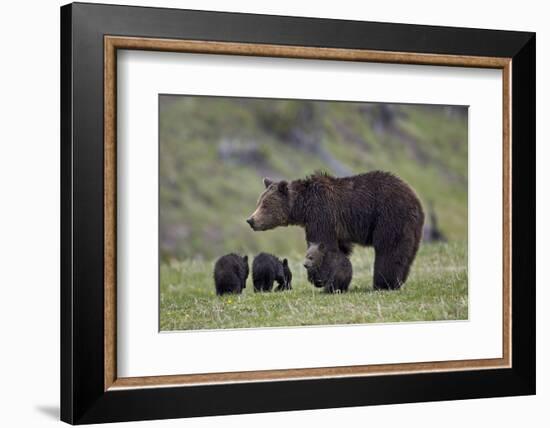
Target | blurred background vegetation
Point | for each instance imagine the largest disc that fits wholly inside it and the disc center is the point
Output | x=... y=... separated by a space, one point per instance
x=214 y=152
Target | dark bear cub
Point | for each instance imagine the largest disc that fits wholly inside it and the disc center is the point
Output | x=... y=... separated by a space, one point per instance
x=266 y=269
x=230 y=274
x=328 y=268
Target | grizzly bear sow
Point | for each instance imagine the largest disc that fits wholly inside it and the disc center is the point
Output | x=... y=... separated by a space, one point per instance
x=330 y=269
x=375 y=209
x=267 y=269
x=230 y=274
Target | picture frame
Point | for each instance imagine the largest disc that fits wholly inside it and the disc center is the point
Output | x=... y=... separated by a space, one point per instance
x=91 y=391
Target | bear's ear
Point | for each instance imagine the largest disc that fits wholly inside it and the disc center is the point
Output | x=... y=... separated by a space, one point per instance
x=283 y=187
x=285 y=262
x=267 y=182
x=321 y=246
x=245 y=258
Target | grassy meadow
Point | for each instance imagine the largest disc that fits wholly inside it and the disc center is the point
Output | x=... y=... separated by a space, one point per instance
x=214 y=152
x=437 y=289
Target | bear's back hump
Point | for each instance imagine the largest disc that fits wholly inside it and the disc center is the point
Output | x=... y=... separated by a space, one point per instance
x=380 y=187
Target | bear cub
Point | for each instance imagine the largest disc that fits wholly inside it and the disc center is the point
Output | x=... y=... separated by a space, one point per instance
x=230 y=274
x=266 y=269
x=328 y=268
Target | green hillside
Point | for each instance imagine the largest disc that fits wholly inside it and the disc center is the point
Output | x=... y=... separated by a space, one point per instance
x=214 y=152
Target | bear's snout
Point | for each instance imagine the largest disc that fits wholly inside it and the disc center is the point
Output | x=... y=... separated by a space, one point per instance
x=250 y=221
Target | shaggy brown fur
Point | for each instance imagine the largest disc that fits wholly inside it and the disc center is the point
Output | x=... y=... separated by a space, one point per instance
x=374 y=209
x=230 y=274
x=328 y=268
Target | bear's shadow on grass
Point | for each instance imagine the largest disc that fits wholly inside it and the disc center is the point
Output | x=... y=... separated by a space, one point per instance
x=369 y=290
x=357 y=290
x=361 y=290
x=353 y=291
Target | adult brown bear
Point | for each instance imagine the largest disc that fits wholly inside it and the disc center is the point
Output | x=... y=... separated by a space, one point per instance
x=375 y=209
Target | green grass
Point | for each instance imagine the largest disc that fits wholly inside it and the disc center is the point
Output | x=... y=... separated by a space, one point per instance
x=437 y=289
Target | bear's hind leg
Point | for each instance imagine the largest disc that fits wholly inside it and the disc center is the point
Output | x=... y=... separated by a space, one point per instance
x=268 y=285
x=389 y=270
x=394 y=254
x=263 y=283
x=257 y=285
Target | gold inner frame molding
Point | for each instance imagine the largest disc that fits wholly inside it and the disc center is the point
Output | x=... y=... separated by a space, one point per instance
x=113 y=43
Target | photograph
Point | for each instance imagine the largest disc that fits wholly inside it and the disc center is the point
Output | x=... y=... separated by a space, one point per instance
x=297 y=212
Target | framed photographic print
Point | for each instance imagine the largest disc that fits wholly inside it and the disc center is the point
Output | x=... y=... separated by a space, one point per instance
x=266 y=213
